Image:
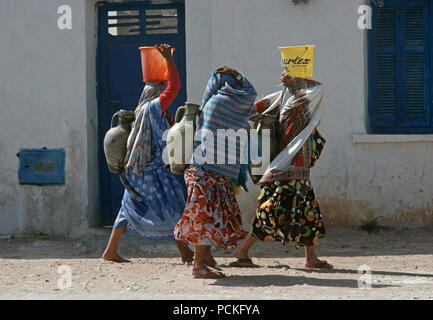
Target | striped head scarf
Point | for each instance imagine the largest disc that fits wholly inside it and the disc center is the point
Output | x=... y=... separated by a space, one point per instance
x=139 y=143
x=225 y=105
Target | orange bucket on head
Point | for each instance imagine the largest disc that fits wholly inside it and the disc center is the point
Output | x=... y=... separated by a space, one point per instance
x=153 y=64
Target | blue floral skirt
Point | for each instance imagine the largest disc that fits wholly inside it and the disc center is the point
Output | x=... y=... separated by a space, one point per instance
x=163 y=201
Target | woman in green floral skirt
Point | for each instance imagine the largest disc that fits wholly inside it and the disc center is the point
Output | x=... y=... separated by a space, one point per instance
x=287 y=209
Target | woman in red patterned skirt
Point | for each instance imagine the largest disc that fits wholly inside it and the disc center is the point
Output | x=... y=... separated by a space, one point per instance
x=212 y=215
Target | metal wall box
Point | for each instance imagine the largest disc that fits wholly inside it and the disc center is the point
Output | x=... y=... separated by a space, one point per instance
x=41 y=166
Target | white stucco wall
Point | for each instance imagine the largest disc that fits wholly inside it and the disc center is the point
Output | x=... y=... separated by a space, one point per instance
x=353 y=181
x=48 y=99
x=47 y=92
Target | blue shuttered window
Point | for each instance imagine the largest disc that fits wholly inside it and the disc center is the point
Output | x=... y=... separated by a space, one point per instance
x=400 y=67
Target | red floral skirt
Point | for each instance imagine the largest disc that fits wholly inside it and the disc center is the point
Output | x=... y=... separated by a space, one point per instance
x=212 y=215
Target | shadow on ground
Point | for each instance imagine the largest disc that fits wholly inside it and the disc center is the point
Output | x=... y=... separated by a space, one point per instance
x=339 y=242
x=376 y=272
x=287 y=281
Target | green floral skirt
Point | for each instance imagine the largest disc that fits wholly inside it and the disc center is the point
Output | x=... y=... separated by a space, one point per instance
x=288 y=212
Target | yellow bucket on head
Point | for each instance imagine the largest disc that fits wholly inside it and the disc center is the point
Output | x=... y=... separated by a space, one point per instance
x=298 y=61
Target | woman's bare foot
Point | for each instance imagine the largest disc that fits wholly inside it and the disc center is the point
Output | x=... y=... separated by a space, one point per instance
x=108 y=256
x=240 y=254
x=110 y=253
x=312 y=261
x=319 y=264
x=186 y=254
x=210 y=262
x=202 y=272
x=187 y=257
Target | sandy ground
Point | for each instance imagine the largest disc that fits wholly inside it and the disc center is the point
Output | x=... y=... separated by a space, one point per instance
x=401 y=262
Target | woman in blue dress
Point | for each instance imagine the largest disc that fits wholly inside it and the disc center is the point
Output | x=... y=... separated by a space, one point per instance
x=163 y=194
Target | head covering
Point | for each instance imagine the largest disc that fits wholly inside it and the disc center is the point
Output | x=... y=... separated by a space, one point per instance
x=139 y=143
x=226 y=105
x=151 y=90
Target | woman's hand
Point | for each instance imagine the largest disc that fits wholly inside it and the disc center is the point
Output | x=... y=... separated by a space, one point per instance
x=230 y=71
x=288 y=80
x=169 y=117
x=166 y=52
x=297 y=85
x=227 y=70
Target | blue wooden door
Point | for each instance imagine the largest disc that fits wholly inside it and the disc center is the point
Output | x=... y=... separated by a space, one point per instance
x=122 y=29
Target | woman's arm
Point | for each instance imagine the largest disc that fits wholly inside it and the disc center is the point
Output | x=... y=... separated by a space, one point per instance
x=173 y=85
